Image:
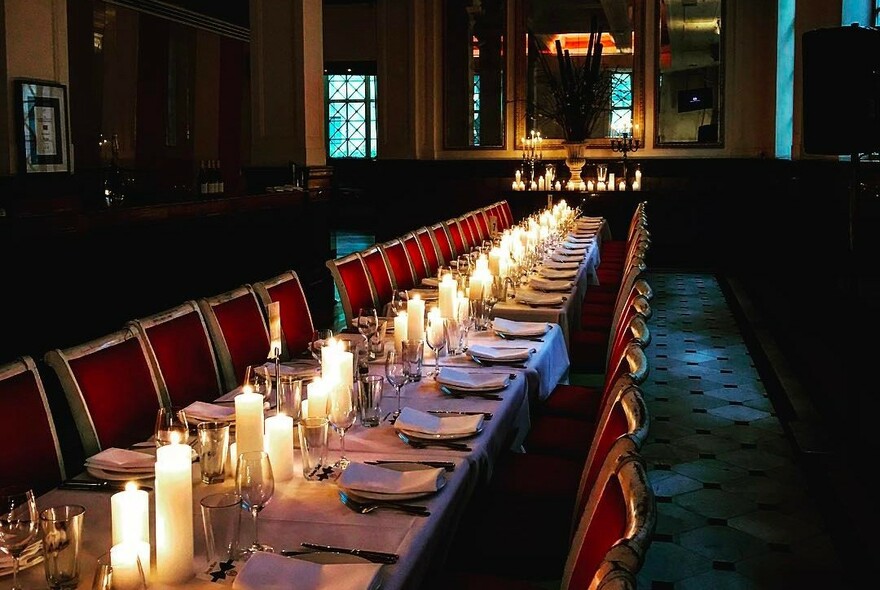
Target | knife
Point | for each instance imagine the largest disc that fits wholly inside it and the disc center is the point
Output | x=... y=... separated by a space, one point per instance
x=447 y=465
x=366 y=554
x=85 y=485
x=485 y=415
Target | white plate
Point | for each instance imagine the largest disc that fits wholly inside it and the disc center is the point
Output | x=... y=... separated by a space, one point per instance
x=379 y=496
x=31 y=556
x=426 y=294
x=425 y=436
x=330 y=557
x=486 y=389
x=119 y=475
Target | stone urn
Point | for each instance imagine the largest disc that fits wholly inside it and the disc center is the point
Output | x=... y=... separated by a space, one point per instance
x=574 y=158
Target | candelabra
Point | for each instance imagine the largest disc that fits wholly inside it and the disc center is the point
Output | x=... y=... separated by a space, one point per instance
x=624 y=144
x=533 y=153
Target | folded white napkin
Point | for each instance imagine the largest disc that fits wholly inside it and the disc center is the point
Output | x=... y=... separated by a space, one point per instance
x=206 y=411
x=299 y=369
x=426 y=294
x=562 y=265
x=432 y=282
x=376 y=478
x=417 y=421
x=470 y=380
x=516 y=328
x=495 y=353
x=268 y=571
x=553 y=273
x=540 y=298
x=574 y=240
x=576 y=251
x=122 y=459
x=576 y=247
x=543 y=284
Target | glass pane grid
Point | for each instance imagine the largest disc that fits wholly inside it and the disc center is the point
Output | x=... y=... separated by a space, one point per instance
x=351 y=116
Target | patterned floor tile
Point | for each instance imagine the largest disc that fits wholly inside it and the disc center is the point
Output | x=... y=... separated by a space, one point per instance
x=717 y=580
x=710 y=471
x=715 y=504
x=670 y=562
x=722 y=543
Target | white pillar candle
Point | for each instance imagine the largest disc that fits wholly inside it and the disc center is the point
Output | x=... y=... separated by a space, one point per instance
x=558 y=185
x=130 y=519
x=279 y=446
x=600 y=186
x=124 y=560
x=434 y=324
x=494 y=262
x=514 y=185
x=174 y=511
x=401 y=322
x=317 y=398
x=636 y=185
x=445 y=296
x=274 y=329
x=621 y=186
x=232 y=460
x=517 y=175
x=249 y=421
x=415 y=327
x=638 y=174
x=611 y=180
x=590 y=186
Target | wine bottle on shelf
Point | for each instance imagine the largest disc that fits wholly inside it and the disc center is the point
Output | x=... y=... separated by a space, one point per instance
x=221 y=188
x=203 y=178
x=213 y=178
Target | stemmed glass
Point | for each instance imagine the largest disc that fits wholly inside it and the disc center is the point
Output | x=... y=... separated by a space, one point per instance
x=396 y=373
x=435 y=338
x=368 y=326
x=255 y=483
x=19 y=524
x=258 y=379
x=171 y=426
x=319 y=337
x=413 y=356
x=343 y=411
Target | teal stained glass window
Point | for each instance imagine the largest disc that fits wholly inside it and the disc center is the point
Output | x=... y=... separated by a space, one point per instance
x=351 y=115
x=876 y=12
x=476 y=109
x=621 y=102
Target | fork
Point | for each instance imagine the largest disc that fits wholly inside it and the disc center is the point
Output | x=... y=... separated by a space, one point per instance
x=423 y=444
x=367 y=507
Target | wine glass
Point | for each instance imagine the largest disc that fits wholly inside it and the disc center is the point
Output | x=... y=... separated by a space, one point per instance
x=258 y=379
x=413 y=355
x=255 y=483
x=435 y=338
x=19 y=524
x=368 y=326
x=396 y=373
x=172 y=426
x=319 y=337
x=398 y=302
x=343 y=411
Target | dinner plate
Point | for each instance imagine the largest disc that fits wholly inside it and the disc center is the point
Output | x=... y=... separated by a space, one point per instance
x=31 y=557
x=380 y=496
x=118 y=475
x=459 y=391
x=426 y=294
x=476 y=389
x=450 y=436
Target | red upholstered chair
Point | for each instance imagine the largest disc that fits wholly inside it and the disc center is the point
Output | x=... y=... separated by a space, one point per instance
x=434 y=259
x=182 y=354
x=111 y=388
x=353 y=283
x=456 y=234
x=417 y=257
x=238 y=331
x=483 y=223
x=398 y=261
x=469 y=223
x=31 y=453
x=380 y=276
x=296 y=318
x=445 y=243
x=508 y=212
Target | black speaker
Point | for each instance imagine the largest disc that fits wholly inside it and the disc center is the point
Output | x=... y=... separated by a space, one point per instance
x=841 y=97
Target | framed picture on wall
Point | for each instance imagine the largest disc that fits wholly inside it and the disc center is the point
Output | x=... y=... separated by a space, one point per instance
x=43 y=133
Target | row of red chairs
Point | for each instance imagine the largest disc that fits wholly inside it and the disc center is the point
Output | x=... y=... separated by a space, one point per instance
x=371 y=277
x=114 y=384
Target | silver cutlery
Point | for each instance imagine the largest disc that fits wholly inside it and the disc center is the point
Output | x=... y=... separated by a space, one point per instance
x=446 y=465
x=461 y=394
x=377 y=556
x=423 y=444
x=84 y=485
x=486 y=415
x=367 y=507
x=504 y=336
x=491 y=363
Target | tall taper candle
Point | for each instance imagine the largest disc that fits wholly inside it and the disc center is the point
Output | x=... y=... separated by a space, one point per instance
x=401 y=322
x=249 y=421
x=279 y=445
x=174 y=513
x=415 y=325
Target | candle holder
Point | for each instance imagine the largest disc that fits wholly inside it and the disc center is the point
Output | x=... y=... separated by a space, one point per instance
x=624 y=144
x=533 y=153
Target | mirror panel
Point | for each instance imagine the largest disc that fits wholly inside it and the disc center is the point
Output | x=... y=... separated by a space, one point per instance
x=690 y=73
x=569 y=21
x=473 y=73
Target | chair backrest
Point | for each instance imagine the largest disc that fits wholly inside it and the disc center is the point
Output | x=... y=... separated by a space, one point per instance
x=481 y=217
x=417 y=257
x=447 y=247
x=180 y=349
x=380 y=275
x=296 y=317
x=239 y=332
x=397 y=260
x=508 y=213
x=111 y=387
x=31 y=453
x=618 y=522
x=353 y=283
x=456 y=234
x=434 y=259
x=469 y=230
x=496 y=210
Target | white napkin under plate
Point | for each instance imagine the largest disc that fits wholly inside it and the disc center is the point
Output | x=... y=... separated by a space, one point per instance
x=122 y=460
x=426 y=294
x=543 y=284
x=431 y=282
x=562 y=265
x=546 y=299
x=417 y=421
x=304 y=369
x=209 y=412
x=517 y=328
x=576 y=241
x=553 y=273
x=567 y=256
x=268 y=571
x=471 y=380
x=574 y=251
x=493 y=353
x=32 y=555
x=359 y=477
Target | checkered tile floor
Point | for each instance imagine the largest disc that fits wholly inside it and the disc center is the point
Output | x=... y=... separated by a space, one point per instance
x=735 y=510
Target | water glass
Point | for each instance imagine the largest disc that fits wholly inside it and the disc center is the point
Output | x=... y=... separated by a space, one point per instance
x=119 y=570
x=369 y=397
x=290 y=396
x=221 y=519
x=313 y=444
x=171 y=426
x=62 y=538
x=213 y=450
